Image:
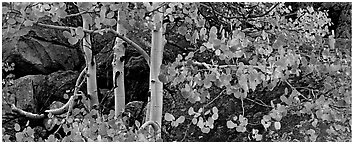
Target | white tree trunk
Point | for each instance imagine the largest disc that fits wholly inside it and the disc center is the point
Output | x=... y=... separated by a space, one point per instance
x=156 y=61
x=118 y=71
x=91 y=64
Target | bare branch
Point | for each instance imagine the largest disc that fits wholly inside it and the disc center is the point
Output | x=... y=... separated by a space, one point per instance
x=136 y=46
x=26 y=114
x=57 y=111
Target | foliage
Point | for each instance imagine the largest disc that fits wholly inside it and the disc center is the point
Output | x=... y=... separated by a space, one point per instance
x=84 y=126
x=239 y=50
x=285 y=52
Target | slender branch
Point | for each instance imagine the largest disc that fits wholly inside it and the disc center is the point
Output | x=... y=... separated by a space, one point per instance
x=258 y=103
x=136 y=46
x=202 y=64
x=186 y=132
x=243 y=108
x=215 y=98
x=157 y=9
x=296 y=90
x=255 y=16
x=78 y=14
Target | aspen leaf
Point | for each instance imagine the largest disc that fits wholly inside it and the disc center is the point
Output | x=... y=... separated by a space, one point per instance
x=110 y=15
x=51 y=138
x=174 y=124
x=240 y=128
x=235 y=118
x=200 y=123
x=230 y=124
x=207 y=83
x=277 y=125
x=180 y=119
x=202 y=32
x=111 y=22
x=73 y=40
x=205 y=130
x=163 y=78
x=182 y=30
x=191 y=111
x=11 y=21
x=284 y=99
x=258 y=137
x=17 y=127
x=169 y=117
x=5 y=10
x=266 y=117
x=202 y=49
x=215 y=116
x=217 y=52
x=265 y=123
x=113 y=7
x=67 y=34
x=28 y=23
x=213 y=30
x=168 y=10
x=61 y=13
x=194 y=120
x=131 y=22
x=22 y=32
x=207 y=112
x=215 y=109
x=149 y=8
x=200 y=110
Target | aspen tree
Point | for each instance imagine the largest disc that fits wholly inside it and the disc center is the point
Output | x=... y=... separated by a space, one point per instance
x=118 y=70
x=156 y=102
x=91 y=63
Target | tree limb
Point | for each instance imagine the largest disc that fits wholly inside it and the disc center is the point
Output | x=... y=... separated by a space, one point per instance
x=136 y=46
x=27 y=114
x=57 y=111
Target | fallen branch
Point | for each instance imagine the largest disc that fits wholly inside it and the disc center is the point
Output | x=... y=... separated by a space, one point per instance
x=57 y=111
x=27 y=114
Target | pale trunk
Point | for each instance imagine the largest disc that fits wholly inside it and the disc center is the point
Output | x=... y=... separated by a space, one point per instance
x=91 y=65
x=156 y=61
x=118 y=71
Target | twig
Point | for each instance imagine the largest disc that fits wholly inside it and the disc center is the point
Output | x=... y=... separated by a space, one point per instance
x=295 y=89
x=243 y=108
x=258 y=103
x=186 y=132
x=215 y=98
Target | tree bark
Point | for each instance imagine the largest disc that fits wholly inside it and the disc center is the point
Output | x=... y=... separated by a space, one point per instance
x=91 y=64
x=118 y=70
x=156 y=61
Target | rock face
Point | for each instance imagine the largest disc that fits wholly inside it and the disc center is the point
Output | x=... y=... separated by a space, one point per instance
x=32 y=56
x=34 y=93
